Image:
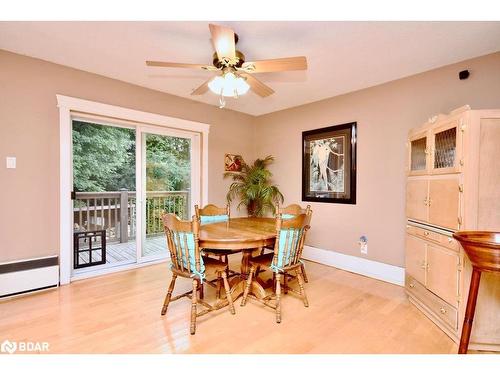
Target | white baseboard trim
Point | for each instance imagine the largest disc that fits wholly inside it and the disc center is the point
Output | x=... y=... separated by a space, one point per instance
x=377 y=270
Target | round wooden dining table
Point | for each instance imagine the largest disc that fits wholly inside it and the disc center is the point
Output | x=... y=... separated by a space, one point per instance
x=246 y=234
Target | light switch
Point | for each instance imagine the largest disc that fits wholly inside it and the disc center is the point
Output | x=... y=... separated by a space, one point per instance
x=11 y=162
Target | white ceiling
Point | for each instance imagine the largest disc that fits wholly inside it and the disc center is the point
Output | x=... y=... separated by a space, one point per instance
x=342 y=56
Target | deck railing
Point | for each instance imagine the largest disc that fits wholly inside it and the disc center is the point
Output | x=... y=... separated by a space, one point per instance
x=103 y=210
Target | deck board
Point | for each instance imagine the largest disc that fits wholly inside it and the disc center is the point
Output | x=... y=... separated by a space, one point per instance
x=126 y=252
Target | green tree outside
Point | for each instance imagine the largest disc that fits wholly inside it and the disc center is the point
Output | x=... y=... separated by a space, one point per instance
x=104 y=160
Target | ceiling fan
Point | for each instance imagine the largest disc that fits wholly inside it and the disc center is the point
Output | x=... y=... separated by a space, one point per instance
x=235 y=76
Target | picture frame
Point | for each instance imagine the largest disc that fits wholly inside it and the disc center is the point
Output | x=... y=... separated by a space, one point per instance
x=232 y=163
x=329 y=164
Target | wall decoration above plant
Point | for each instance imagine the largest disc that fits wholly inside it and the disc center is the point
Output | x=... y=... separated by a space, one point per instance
x=232 y=163
x=253 y=188
x=329 y=164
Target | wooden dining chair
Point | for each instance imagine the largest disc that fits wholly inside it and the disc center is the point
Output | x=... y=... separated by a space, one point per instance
x=289 y=212
x=290 y=236
x=292 y=210
x=213 y=214
x=187 y=261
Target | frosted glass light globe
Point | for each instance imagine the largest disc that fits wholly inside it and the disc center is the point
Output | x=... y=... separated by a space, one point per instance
x=229 y=85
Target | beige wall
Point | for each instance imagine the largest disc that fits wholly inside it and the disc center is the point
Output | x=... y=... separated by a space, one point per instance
x=384 y=115
x=29 y=130
x=29 y=198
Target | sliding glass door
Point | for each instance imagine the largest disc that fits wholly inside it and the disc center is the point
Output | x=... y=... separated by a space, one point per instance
x=169 y=171
x=125 y=178
x=103 y=195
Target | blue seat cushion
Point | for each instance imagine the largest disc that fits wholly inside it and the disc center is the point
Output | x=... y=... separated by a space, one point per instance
x=188 y=238
x=294 y=236
x=213 y=219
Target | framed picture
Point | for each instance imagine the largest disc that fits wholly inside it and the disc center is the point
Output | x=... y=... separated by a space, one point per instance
x=329 y=164
x=232 y=163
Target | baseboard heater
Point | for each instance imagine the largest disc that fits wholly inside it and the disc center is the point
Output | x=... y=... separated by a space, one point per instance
x=24 y=276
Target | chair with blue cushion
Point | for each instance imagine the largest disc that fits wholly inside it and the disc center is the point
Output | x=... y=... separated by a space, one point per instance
x=187 y=261
x=290 y=236
x=213 y=214
x=289 y=212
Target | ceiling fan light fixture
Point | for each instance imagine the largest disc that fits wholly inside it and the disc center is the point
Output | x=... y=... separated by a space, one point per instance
x=229 y=85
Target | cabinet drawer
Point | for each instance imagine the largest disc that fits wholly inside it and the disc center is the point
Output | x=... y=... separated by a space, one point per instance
x=439 y=308
x=441 y=239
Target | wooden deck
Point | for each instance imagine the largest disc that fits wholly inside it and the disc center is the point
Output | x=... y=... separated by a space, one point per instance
x=123 y=253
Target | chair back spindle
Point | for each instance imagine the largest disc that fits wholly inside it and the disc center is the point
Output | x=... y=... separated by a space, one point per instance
x=290 y=239
x=182 y=241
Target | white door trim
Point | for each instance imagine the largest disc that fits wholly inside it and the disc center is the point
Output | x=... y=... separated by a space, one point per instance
x=67 y=105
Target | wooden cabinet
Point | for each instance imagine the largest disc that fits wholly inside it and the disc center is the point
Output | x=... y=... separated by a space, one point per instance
x=437 y=149
x=416 y=250
x=453 y=183
x=443 y=202
x=432 y=265
x=435 y=200
x=443 y=269
x=417 y=191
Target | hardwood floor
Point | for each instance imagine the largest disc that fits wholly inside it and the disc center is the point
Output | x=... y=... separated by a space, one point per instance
x=120 y=313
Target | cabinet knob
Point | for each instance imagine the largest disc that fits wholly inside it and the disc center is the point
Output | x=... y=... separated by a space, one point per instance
x=412 y=285
x=426 y=233
x=442 y=310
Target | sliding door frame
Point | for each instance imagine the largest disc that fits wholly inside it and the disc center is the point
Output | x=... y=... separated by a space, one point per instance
x=69 y=108
x=140 y=172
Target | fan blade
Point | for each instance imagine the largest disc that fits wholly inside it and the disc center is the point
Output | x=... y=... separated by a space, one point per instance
x=223 y=41
x=276 y=65
x=257 y=86
x=176 y=65
x=203 y=88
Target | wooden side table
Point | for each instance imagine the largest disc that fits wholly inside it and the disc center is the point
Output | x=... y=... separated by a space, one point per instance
x=483 y=250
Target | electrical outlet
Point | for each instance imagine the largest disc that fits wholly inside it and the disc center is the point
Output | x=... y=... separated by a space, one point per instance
x=11 y=162
x=364 y=248
x=363 y=244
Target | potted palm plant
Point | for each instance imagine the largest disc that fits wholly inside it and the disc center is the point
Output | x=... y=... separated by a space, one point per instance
x=252 y=186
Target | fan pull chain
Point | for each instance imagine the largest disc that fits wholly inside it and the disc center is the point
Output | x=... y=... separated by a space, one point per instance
x=222 y=101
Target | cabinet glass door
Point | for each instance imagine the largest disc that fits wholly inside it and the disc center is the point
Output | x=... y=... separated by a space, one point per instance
x=418 y=154
x=446 y=148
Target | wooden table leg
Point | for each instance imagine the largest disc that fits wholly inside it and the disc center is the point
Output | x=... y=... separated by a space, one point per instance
x=245 y=263
x=469 y=311
x=239 y=287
